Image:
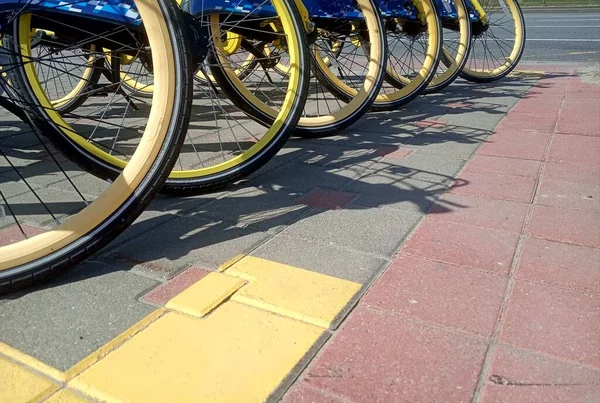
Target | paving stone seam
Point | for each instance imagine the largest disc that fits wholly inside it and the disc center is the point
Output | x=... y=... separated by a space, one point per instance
x=495 y=339
x=572 y=363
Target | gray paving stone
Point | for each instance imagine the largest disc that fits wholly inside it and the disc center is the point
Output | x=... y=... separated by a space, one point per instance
x=322 y=258
x=475 y=119
x=63 y=322
x=302 y=178
x=426 y=167
x=376 y=231
x=263 y=210
x=177 y=244
x=379 y=189
x=451 y=146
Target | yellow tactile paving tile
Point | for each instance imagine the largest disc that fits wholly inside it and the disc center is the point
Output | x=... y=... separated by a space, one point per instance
x=233 y=336
x=20 y=384
x=290 y=291
x=236 y=354
x=205 y=295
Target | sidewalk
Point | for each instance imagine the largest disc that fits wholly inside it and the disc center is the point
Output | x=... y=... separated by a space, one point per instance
x=413 y=258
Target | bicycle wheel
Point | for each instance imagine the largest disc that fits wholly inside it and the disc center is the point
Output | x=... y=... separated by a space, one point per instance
x=347 y=55
x=498 y=29
x=414 y=36
x=53 y=213
x=223 y=143
x=456 y=39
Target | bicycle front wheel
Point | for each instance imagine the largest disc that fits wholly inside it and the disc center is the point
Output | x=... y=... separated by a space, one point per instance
x=54 y=213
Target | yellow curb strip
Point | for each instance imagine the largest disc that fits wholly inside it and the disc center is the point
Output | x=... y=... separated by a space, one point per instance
x=113 y=344
x=300 y=294
x=19 y=383
x=31 y=362
x=205 y=295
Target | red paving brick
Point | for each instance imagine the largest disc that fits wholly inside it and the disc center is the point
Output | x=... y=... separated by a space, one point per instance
x=394 y=152
x=575 y=150
x=528 y=145
x=585 y=174
x=328 y=199
x=507 y=166
x=166 y=291
x=519 y=375
x=14 y=234
x=576 y=122
x=496 y=186
x=563 y=225
x=481 y=212
x=304 y=393
x=554 y=321
x=377 y=357
x=446 y=295
x=529 y=121
x=539 y=105
x=569 y=195
x=464 y=245
x=563 y=265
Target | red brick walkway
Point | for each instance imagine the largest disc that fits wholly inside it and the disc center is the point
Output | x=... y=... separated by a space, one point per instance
x=495 y=296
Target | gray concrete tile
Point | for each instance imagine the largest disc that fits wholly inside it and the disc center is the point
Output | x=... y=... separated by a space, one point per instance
x=379 y=189
x=376 y=231
x=476 y=119
x=421 y=166
x=66 y=320
x=302 y=178
x=322 y=258
x=177 y=244
x=260 y=209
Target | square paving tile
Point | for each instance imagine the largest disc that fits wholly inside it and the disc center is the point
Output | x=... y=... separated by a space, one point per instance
x=495 y=186
x=328 y=199
x=560 y=264
x=376 y=231
x=572 y=195
x=529 y=121
x=322 y=257
x=481 y=212
x=554 y=321
x=438 y=293
x=585 y=174
x=518 y=375
x=379 y=357
x=564 y=225
x=575 y=150
x=500 y=165
x=516 y=143
x=464 y=245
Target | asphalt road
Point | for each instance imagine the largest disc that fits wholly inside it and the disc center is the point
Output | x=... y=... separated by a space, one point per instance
x=566 y=36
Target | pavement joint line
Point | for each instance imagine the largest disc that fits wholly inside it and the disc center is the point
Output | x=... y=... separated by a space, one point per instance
x=495 y=338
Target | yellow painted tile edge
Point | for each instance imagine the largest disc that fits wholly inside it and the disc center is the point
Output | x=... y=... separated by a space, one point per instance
x=528 y=72
x=230 y=262
x=31 y=362
x=113 y=344
x=205 y=295
x=281 y=311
